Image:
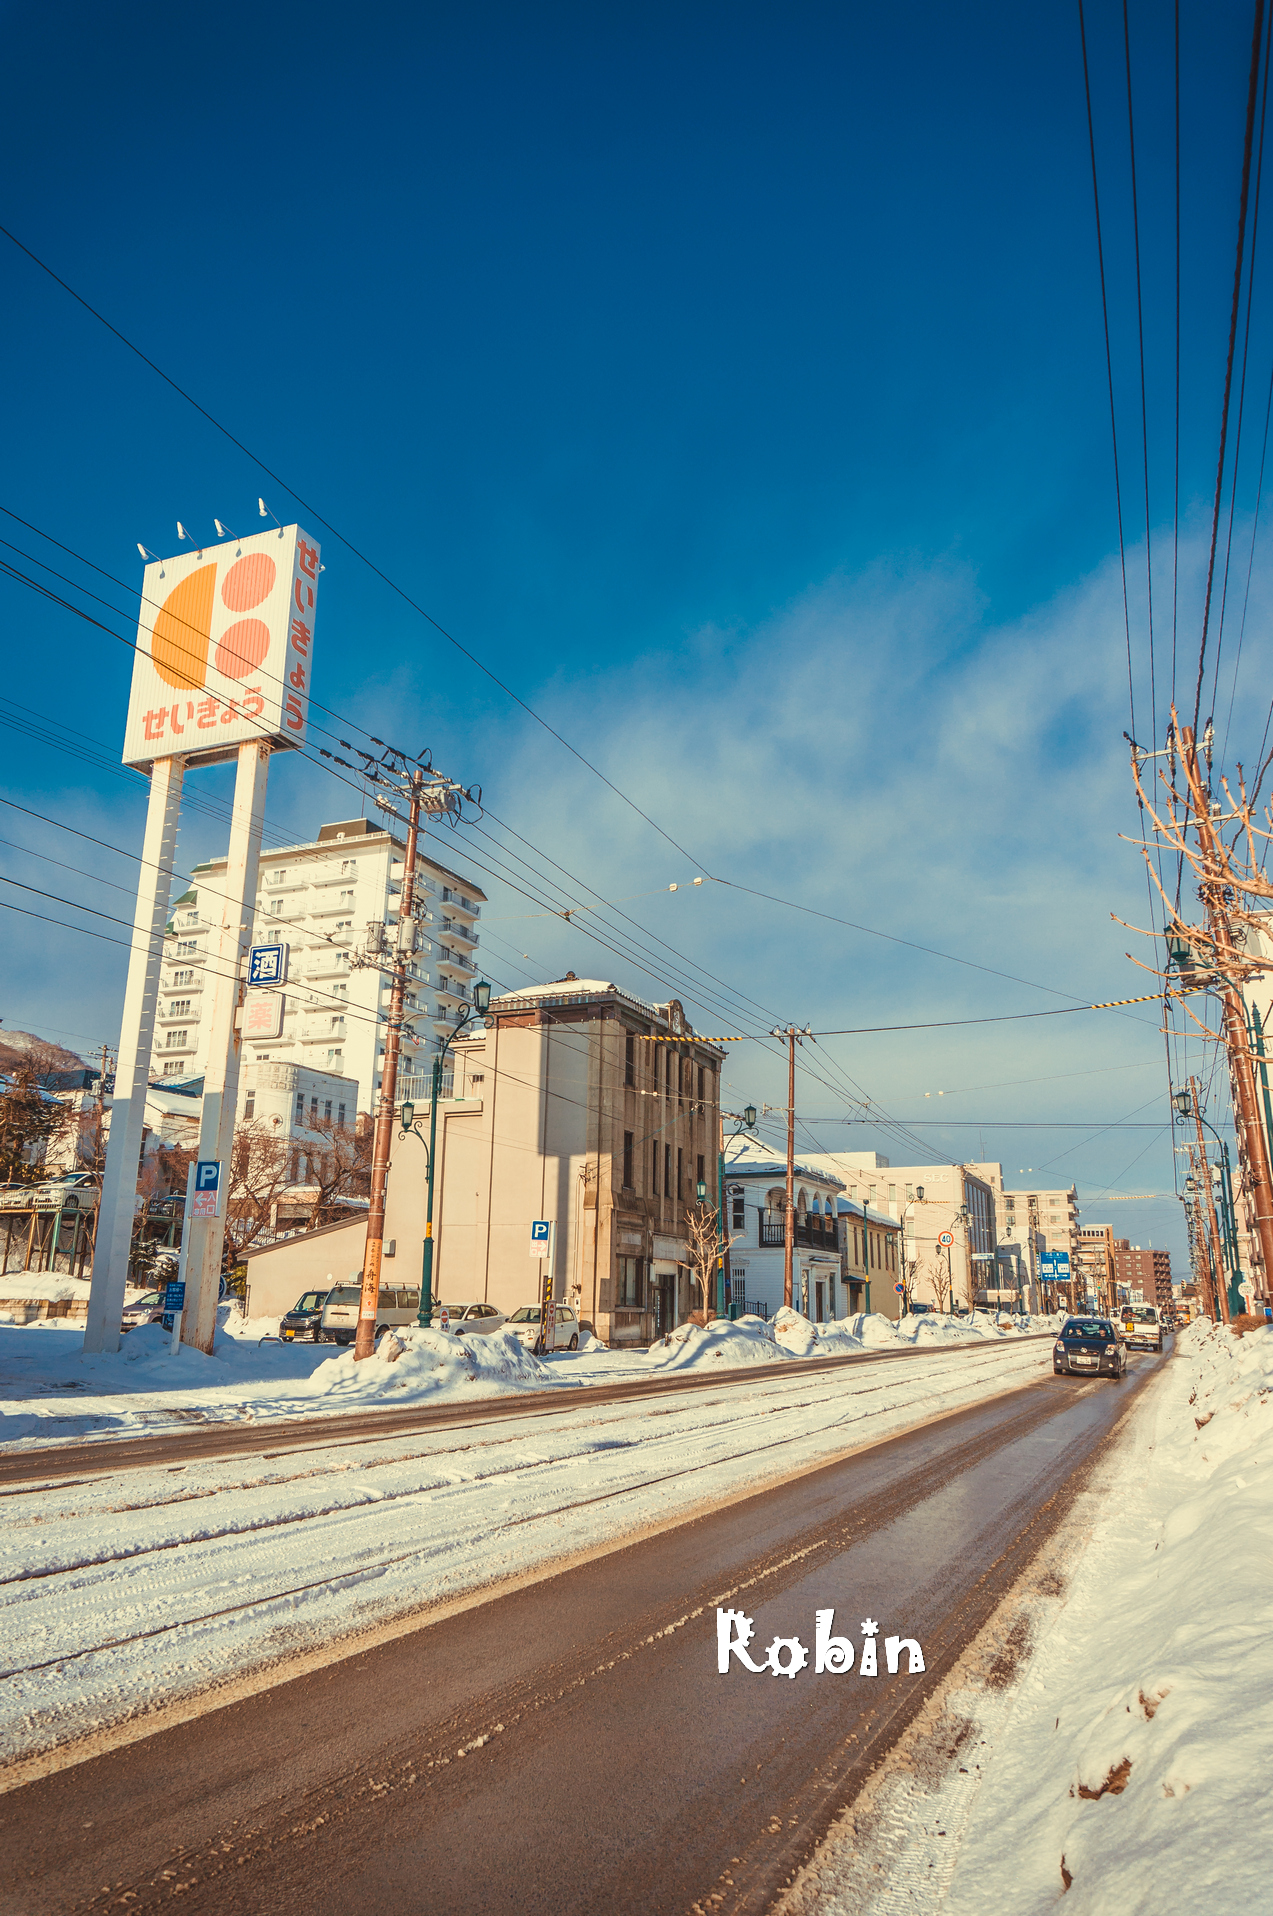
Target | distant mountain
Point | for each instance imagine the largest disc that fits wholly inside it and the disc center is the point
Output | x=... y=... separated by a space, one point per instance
x=16 y=1048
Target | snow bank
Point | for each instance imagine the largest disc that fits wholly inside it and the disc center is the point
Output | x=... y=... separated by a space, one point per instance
x=1138 y=1749
x=427 y=1364
x=722 y=1343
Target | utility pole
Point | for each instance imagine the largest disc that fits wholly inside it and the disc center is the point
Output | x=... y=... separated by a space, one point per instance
x=1251 y=1134
x=1219 y=1289
x=788 y=1268
x=424 y=790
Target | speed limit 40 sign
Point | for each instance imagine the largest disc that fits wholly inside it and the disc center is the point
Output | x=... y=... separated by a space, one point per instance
x=947 y=1237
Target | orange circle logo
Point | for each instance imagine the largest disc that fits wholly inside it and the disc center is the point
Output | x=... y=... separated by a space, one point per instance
x=241 y=648
x=248 y=582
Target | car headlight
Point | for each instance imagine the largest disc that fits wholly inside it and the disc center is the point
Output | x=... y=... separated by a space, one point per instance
x=1059 y=1349
x=1111 y=1350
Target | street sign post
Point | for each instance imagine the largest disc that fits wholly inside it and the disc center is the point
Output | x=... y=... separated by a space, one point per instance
x=946 y=1238
x=543 y=1245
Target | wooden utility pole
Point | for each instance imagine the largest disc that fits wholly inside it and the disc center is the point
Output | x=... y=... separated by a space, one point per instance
x=369 y=1303
x=1220 y=1290
x=1252 y=1140
x=788 y=1283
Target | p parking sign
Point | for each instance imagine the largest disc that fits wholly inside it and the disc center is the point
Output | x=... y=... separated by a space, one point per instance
x=541 y=1237
x=205 y=1200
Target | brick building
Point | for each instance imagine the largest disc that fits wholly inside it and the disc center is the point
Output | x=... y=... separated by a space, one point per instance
x=1143 y=1276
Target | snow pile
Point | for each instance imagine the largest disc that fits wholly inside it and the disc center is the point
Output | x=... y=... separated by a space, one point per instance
x=1138 y=1749
x=744 y=1340
x=427 y=1364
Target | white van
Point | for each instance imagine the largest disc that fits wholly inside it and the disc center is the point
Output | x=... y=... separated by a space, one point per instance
x=1141 y=1326
x=339 y=1322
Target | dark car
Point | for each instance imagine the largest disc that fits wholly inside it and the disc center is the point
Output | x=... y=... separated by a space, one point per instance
x=1089 y=1346
x=302 y=1321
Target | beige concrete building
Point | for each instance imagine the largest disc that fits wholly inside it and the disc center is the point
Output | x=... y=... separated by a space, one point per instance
x=932 y=1272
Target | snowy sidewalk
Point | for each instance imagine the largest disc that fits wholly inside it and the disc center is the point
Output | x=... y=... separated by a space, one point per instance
x=50 y=1392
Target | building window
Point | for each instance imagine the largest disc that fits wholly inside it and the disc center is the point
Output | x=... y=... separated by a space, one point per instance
x=668 y=1074
x=180 y=978
x=187 y=947
x=327 y=1111
x=631 y=1283
x=667 y=1170
x=340 y=1118
x=276 y=907
x=349 y=867
x=629 y=1061
x=702 y=1078
x=680 y=1174
x=176 y=1041
x=654 y=1169
x=738 y=1220
x=179 y=1009
x=313 y=1110
x=346 y=898
x=300 y=1107
x=701 y=1173
x=249 y=1106
x=627 y=1159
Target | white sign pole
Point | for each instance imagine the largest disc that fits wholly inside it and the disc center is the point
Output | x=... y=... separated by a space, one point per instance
x=183 y=1261
x=132 y=1072
x=227 y=944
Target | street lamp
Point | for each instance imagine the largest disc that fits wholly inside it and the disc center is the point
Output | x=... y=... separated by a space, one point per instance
x=481 y=1002
x=747 y=1122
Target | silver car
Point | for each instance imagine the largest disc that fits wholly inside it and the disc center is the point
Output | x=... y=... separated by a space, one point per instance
x=467 y=1319
x=339 y=1321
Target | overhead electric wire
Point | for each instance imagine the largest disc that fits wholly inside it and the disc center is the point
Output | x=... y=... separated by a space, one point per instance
x=1246 y=346
x=348 y=543
x=1144 y=401
x=1247 y=144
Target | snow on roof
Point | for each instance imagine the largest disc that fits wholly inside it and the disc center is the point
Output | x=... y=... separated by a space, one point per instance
x=755 y=1160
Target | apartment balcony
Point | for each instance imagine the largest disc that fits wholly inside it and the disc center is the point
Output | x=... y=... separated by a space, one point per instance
x=452 y=928
x=810 y=1233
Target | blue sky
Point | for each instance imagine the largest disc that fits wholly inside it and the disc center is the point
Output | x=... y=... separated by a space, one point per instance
x=731 y=381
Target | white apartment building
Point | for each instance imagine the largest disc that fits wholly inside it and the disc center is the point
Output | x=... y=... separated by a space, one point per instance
x=319 y=899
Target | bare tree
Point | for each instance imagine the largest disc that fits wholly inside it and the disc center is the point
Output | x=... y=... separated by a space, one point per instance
x=940 y=1271
x=339 y=1166
x=260 y=1171
x=701 y=1229
x=31 y=1116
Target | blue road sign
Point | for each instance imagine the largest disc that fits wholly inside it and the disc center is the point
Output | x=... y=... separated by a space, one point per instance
x=174 y=1296
x=540 y=1230
x=1047 y=1263
x=1061 y=1263
x=168 y=1319
x=267 y=965
x=207 y=1174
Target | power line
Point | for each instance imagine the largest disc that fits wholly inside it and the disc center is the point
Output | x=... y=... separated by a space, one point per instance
x=1248 y=141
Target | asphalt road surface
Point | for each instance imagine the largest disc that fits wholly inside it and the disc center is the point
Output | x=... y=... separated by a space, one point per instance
x=570 y=1747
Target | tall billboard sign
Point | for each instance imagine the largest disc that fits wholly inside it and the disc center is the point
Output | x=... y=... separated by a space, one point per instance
x=225 y=649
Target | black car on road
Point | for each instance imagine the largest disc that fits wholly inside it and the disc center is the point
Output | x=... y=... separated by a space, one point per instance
x=1089 y=1347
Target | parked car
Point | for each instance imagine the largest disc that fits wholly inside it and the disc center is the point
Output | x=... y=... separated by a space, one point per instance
x=1141 y=1326
x=525 y=1325
x=146 y=1309
x=468 y=1319
x=302 y=1322
x=1089 y=1346
x=338 y=1323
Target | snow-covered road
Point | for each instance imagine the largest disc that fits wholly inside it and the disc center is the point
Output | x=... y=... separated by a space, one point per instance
x=133 y=1590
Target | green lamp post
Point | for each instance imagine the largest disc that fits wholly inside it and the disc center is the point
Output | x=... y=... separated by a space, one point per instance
x=481 y=1001
x=747 y=1122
